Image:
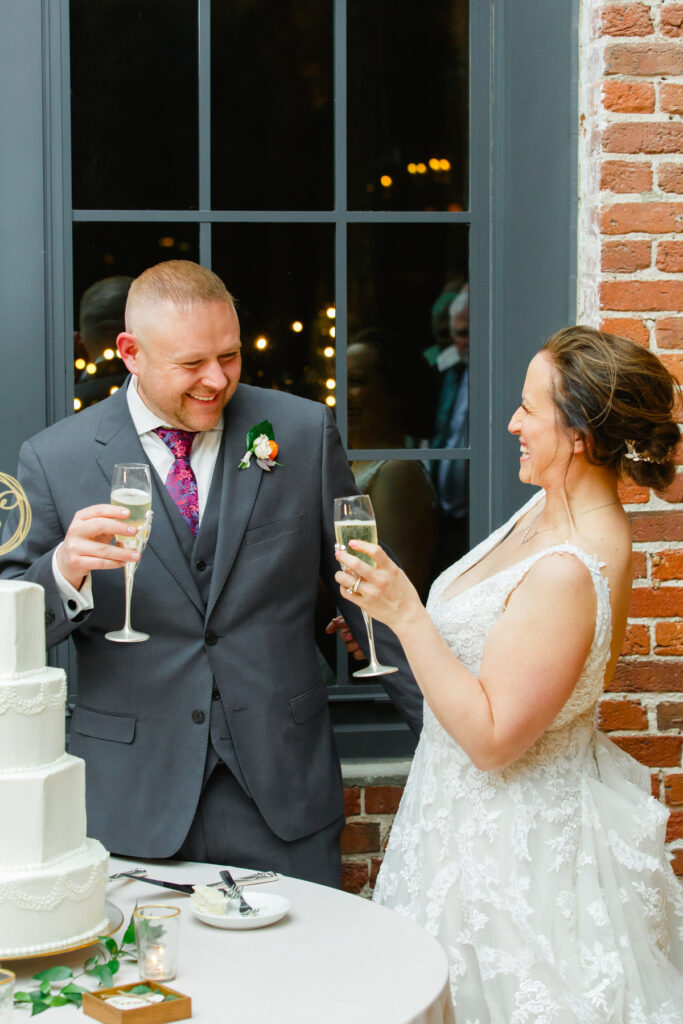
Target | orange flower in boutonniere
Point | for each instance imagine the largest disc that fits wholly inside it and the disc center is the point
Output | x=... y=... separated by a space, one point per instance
x=260 y=442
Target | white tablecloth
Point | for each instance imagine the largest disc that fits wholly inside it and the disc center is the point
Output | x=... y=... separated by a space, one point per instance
x=334 y=959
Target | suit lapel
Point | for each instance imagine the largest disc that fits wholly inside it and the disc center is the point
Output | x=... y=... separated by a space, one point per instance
x=120 y=443
x=240 y=487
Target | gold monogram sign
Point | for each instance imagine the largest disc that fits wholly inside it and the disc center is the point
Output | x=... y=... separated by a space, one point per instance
x=12 y=497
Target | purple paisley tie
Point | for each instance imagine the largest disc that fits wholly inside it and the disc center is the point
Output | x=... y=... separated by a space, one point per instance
x=181 y=483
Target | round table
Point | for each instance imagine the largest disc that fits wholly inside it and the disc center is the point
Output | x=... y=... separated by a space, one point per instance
x=334 y=959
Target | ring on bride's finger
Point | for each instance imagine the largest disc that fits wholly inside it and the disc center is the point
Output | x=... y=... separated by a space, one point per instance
x=356 y=584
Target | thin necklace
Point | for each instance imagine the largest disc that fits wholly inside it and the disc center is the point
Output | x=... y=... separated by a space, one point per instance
x=530 y=532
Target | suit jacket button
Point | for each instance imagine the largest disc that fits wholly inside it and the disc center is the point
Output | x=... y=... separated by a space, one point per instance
x=198 y=717
x=49 y=617
x=211 y=638
x=201 y=565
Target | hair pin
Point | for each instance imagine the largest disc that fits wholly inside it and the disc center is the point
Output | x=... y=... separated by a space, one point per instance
x=636 y=456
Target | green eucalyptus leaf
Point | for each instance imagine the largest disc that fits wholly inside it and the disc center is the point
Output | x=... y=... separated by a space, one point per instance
x=140 y=990
x=57 y=1000
x=90 y=963
x=169 y=998
x=45 y=988
x=39 y=1006
x=22 y=997
x=111 y=945
x=104 y=974
x=129 y=934
x=36 y=996
x=72 y=987
x=54 y=974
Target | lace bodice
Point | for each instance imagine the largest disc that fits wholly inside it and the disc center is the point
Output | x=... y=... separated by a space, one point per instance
x=466 y=619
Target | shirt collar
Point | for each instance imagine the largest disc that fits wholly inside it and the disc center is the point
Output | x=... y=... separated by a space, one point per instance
x=144 y=420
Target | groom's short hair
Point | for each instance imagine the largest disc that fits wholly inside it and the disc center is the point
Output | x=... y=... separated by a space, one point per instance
x=180 y=282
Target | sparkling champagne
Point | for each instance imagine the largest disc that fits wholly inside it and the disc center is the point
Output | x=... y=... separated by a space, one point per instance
x=356 y=529
x=138 y=504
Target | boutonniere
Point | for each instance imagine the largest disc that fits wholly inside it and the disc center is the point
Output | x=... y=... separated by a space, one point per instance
x=260 y=443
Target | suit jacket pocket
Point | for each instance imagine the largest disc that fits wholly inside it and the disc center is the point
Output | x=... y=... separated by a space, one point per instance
x=273 y=530
x=308 y=704
x=103 y=725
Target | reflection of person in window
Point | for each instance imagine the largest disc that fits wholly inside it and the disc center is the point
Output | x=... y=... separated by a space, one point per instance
x=452 y=428
x=391 y=397
x=100 y=321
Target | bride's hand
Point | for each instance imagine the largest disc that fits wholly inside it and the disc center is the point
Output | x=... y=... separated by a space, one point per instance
x=385 y=593
x=339 y=625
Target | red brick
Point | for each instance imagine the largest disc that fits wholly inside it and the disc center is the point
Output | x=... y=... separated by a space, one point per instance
x=669 y=332
x=646 y=58
x=670 y=177
x=642 y=295
x=636 y=641
x=351 y=801
x=647 y=526
x=654 y=784
x=627 y=327
x=646 y=676
x=669 y=640
x=624 y=257
x=667 y=565
x=674 y=364
x=382 y=799
x=674 y=826
x=628 y=97
x=355 y=875
x=665 y=602
x=641 y=137
x=375 y=865
x=674 y=492
x=624 y=176
x=670 y=715
x=654 y=751
x=671 y=97
x=669 y=256
x=639 y=565
x=677 y=862
x=631 y=19
x=673 y=789
x=632 y=494
x=621 y=714
x=360 y=837
x=671 y=20
x=652 y=218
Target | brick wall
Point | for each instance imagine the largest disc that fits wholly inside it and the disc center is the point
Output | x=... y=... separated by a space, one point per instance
x=631 y=280
x=640 y=293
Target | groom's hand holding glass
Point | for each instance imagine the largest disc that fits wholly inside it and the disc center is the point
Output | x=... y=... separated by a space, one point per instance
x=88 y=543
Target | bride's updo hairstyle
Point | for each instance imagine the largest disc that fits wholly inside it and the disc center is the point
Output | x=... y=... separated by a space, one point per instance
x=619 y=399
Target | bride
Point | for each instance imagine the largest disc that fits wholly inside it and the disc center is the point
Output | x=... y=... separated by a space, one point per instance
x=527 y=842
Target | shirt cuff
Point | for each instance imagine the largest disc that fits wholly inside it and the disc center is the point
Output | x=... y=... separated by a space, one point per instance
x=75 y=601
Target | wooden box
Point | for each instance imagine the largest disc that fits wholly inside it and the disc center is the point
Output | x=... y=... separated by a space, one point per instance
x=94 y=1005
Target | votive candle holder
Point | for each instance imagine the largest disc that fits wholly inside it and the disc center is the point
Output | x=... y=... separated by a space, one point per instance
x=157 y=932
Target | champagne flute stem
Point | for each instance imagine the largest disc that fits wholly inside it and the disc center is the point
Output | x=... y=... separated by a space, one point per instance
x=371 y=638
x=129 y=569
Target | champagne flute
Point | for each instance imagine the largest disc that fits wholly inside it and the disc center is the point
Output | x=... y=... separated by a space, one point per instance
x=131 y=488
x=354 y=519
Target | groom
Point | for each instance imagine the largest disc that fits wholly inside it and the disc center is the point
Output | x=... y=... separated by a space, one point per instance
x=211 y=741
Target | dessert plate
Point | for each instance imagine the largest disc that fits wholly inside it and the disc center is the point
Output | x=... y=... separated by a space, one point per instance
x=114 y=922
x=271 y=908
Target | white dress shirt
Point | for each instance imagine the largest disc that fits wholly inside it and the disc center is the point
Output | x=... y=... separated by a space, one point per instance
x=202 y=459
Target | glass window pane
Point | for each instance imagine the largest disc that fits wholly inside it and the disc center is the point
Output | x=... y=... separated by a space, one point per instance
x=408 y=96
x=272 y=106
x=106 y=259
x=408 y=385
x=134 y=104
x=282 y=277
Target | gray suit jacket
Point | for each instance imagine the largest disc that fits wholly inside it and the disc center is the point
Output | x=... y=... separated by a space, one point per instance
x=243 y=616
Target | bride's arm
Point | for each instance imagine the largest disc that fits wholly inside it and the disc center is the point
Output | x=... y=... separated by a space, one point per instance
x=531 y=662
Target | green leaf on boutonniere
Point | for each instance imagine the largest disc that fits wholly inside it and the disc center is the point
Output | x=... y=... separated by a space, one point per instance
x=264 y=427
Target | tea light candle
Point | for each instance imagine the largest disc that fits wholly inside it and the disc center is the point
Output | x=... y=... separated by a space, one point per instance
x=156 y=963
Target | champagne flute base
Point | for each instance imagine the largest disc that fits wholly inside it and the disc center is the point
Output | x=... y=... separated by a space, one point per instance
x=374 y=670
x=126 y=636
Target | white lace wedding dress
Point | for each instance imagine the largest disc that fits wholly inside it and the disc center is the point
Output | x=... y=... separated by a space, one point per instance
x=546 y=881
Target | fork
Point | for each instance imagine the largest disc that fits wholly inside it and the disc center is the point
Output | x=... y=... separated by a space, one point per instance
x=133 y=873
x=234 y=891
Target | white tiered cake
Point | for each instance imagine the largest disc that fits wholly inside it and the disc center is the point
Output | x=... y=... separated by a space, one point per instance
x=52 y=879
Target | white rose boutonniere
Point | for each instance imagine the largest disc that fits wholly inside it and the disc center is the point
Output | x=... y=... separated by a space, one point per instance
x=261 y=443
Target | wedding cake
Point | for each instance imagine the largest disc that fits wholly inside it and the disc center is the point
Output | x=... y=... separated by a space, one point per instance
x=52 y=879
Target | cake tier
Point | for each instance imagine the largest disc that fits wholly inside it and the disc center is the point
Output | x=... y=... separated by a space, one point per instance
x=56 y=906
x=44 y=812
x=22 y=627
x=32 y=719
